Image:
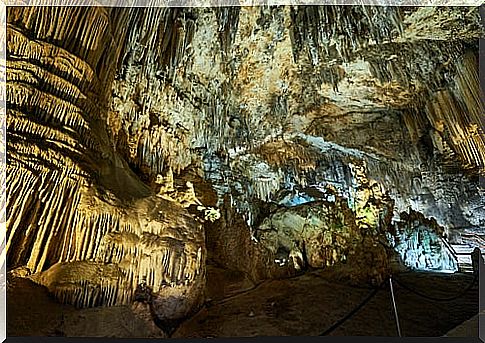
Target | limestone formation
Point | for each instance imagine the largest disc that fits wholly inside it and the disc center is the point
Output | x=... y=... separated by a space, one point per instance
x=421 y=244
x=78 y=217
x=144 y=142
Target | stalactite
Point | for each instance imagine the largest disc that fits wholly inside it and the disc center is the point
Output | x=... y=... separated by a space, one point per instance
x=418 y=241
x=160 y=50
x=433 y=67
x=65 y=209
x=338 y=31
x=228 y=18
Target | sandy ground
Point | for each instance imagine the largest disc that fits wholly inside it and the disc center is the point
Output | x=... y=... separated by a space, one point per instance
x=301 y=306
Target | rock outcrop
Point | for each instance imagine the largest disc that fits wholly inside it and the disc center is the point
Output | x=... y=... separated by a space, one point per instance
x=143 y=142
x=78 y=217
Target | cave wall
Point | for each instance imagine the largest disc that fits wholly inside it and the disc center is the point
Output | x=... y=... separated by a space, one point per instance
x=266 y=110
x=79 y=218
x=281 y=101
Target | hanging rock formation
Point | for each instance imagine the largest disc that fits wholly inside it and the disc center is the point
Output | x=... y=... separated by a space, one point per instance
x=421 y=244
x=274 y=102
x=78 y=217
x=315 y=133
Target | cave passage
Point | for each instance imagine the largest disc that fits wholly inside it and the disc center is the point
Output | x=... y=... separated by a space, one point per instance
x=244 y=171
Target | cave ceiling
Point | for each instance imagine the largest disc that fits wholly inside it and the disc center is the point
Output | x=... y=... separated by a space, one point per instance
x=125 y=124
x=396 y=87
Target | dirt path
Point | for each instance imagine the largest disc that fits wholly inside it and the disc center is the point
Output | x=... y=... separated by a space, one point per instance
x=302 y=306
x=310 y=304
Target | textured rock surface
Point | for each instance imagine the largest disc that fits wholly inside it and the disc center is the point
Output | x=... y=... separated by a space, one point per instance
x=269 y=101
x=421 y=245
x=78 y=217
x=127 y=125
x=322 y=234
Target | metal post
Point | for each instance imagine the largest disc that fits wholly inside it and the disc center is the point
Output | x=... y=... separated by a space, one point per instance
x=395 y=308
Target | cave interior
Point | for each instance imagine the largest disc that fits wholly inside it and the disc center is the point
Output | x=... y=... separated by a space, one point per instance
x=243 y=171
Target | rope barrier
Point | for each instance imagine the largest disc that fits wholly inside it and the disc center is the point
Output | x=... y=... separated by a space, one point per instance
x=376 y=290
x=366 y=300
x=475 y=278
x=235 y=295
x=351 y=313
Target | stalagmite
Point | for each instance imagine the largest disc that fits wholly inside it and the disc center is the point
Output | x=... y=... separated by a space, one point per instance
x=65 y=206
x=295 y=131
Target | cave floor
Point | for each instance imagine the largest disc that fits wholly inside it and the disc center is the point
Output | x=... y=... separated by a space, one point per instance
x=32 y=311
x=310 y=304
x=306 y=305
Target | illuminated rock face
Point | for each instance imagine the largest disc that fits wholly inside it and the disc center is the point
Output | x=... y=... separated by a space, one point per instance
x=421 y=246
x=324 y=234
x=78 y=217
x=361 y=113
x=342 y=224
x=237 y=86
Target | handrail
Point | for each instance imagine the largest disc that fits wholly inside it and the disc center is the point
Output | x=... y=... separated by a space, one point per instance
x=475 y=237
x=450 y=248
